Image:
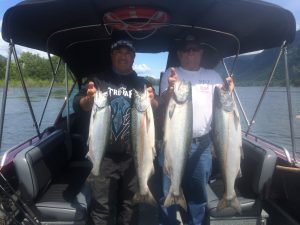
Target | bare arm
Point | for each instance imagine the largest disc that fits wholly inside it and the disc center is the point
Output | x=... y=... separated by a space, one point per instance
x=86 y=102
x=153 y=100
x=230 y=83
x=166 y=95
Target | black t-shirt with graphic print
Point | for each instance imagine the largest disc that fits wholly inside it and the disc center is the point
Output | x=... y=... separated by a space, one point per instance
x=119 y=88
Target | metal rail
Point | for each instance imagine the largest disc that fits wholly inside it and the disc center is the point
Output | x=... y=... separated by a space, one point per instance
x=266 y=87
x=67 y=98
x=54 y=71
x=26 y=92
x=8 y=62
x=283 y=50
x=289 y=99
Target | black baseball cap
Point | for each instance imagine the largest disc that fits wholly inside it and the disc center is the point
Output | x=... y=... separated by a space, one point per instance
x=189 y=39
x=122 y=43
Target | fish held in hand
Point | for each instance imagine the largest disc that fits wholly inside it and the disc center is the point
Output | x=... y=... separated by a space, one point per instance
x=99 y=130
x=177 y=140
x=227 y=139
x=143 y=144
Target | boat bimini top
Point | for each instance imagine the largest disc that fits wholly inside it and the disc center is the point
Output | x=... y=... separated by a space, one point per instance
x=80 y=31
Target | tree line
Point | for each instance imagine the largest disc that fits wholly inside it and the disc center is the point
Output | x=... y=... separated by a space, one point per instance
x=35 y=69
x=254 y=70
x=251 y=70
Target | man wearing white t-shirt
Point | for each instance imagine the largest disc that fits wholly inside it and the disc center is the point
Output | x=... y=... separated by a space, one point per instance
x=198 y=166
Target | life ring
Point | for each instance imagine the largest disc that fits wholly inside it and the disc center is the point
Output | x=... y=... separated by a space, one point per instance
x=136 y=18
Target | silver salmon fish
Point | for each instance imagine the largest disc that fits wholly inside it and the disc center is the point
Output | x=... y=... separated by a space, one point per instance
x=143 y=144
x=177 y=140
x=99 y=130
x=227 y=139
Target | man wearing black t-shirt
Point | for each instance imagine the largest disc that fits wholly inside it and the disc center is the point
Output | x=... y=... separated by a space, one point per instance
x=114 y=188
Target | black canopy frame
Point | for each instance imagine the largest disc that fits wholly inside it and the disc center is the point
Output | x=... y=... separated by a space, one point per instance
x=75 y=30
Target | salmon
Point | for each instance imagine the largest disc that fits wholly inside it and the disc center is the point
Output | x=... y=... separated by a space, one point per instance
x=99 y=130
x=227 y=140
x=143 y=144
x=177 y=140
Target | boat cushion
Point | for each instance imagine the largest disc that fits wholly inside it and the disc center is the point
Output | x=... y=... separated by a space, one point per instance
x=250 y=207
x=251 y=187
x=62 y=202
x=255 y=180
x=51 y=182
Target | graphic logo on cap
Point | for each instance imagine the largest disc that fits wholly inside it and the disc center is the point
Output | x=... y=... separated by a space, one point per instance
x=123 y=43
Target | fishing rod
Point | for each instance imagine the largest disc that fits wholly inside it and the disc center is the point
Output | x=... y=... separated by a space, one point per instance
x=15 y=202
x=28 y=213
x=9 y=218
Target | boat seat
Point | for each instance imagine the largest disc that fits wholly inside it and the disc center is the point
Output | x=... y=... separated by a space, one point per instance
x=53 y=184
x=257 y=168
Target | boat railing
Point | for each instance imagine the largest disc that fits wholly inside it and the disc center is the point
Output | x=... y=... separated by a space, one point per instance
x=9 y=154
x=54 y=71
x=12 y=51
x=280 y=151
x=283 y=51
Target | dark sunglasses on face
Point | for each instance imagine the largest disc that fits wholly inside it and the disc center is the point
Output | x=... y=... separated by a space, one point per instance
x=191 y=49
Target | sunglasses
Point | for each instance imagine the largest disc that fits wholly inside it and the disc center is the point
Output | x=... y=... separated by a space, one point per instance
x=191 y=49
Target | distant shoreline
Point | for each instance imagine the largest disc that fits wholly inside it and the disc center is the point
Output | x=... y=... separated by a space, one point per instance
x=154 y=81
x=31 y=83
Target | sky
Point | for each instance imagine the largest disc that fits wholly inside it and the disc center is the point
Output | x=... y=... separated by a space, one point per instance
x=145 y=64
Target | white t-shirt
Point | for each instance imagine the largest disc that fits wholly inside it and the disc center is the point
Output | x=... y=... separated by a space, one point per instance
x=203 y=84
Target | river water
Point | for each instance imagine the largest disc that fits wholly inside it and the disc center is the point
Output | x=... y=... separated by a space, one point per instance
x=271 y=122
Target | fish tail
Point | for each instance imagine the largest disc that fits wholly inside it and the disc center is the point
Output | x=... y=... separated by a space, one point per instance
x=175 y=200
x=233 y=203
x=146 y=198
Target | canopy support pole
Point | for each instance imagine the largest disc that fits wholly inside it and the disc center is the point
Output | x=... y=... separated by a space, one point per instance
x=289 y=99
x=67 y=98
x=266 y=86
x=26 y=92
x=7 y=74
x=54 y=73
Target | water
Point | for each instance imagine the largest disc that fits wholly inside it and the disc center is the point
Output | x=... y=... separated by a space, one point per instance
x=18 y=123
x=271 y=123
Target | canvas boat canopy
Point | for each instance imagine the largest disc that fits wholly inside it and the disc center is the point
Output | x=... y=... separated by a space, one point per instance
x=76 y=31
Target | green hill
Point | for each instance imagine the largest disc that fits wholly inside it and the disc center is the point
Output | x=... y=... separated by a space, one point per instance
x=255 y=69
x=2 y=58
x=2 y=66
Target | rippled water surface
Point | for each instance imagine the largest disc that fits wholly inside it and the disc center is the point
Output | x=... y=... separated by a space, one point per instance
x=271 y=122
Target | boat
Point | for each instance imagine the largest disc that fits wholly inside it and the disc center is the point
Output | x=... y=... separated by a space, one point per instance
x=43 y=180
